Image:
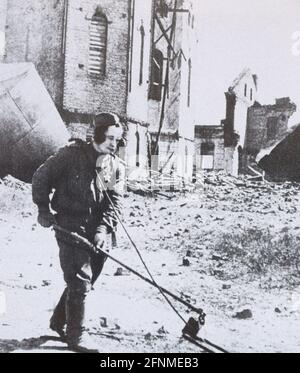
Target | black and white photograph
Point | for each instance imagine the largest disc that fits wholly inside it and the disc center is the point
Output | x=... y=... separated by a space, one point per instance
x=149 y=178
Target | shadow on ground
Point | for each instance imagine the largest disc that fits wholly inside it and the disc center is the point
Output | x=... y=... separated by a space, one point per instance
x=11 y=345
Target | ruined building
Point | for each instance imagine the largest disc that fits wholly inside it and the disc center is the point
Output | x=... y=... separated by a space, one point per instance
x=266 y=124
x=131 y=57
x=210 y=148
x=219 y=147
x=248 y=128
x=239 y=98
x=59 y=37
x=160 y=79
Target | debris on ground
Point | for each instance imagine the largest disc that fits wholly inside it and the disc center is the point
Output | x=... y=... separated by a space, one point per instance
x=228 y=243
x=243 y=315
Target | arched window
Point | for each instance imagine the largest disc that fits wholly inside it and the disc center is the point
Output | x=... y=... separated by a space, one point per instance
x=98 y=45
x=156 y=79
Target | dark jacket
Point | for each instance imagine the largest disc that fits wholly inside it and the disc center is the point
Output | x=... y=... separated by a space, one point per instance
x=71 y=173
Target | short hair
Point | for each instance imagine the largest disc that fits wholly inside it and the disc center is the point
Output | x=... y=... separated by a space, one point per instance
x=101 y=124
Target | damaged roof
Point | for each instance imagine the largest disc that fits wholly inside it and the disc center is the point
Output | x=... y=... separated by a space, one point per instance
x=244 y=73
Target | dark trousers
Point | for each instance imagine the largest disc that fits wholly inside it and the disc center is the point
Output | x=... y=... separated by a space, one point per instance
x=81 y=270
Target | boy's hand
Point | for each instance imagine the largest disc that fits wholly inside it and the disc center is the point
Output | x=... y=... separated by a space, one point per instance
x=100 y=241
x=46 y=219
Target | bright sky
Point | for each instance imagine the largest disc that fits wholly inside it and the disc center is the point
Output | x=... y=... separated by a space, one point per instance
x=234 y=34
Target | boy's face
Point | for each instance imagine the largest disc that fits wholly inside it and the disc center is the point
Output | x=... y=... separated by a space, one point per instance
x=112 y=136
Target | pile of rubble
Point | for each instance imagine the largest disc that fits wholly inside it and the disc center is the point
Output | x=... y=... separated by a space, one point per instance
x=217 y=188
x=15 y=184
x=257 y=196
x=15 y=196
x=153 y=182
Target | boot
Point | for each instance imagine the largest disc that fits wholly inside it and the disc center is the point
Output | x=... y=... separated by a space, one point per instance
x=58 y=319
x=77 y=338
x=59 y=330
x=84 y=344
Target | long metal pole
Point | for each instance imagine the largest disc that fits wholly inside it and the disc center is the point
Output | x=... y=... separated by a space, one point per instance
x=87 y=245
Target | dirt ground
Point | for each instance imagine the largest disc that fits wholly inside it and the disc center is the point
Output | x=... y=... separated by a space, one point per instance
x=253 y=308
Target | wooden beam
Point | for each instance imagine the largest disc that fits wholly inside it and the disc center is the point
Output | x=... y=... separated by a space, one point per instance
x=178 y=11
x=164 y=33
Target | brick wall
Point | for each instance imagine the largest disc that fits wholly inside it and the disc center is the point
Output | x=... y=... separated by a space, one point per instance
x=89 y=94
x=34 y=32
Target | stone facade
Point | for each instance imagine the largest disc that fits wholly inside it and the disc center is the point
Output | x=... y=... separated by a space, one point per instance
x=62 y=37
x=84 y=92
x=239 y=97
x=137 y=148
x=267 y=123
x=54 y=35
x=140 y=39
x=209 y=148
x=139 y=59
x=34 y=33
x=221 y=147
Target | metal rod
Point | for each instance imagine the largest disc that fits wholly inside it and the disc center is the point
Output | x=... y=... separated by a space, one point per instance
x=86 y=244
x=205 y=345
